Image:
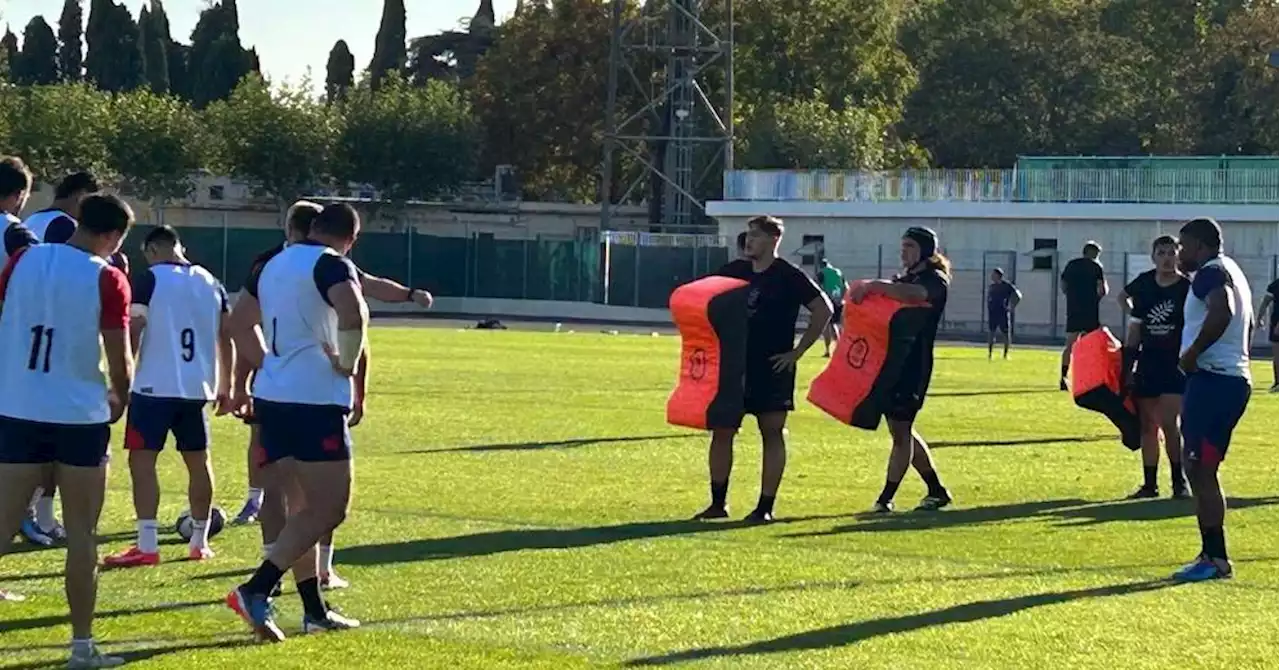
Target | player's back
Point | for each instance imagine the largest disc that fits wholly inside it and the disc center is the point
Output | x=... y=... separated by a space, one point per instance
x=299 y=324
x=177 y=357
x=51 y=371
x=51 y=225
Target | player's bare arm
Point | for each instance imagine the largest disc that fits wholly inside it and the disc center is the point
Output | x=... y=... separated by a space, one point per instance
x=901 y=292
x=353 y=324
x=116 y=345
x=361 y=387
x=390 y=290
x=1103 y=288
x=226 y=362
x=820 y=312
x=245 y=324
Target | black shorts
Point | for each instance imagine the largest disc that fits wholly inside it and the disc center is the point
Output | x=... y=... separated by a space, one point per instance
x=308 y=433
x=906 y=399
x=151 y=419
x=1156 y=377
x=837 y=312
x=1272 y=334
x=1083 y=321
x=36 y=442
x=1211 y=407
x=998 y=321
x=768 y=391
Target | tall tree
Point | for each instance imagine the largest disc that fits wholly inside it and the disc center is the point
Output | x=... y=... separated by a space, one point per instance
x=179 y=79
x=114 y=61
x=71 y=41
x=339 y=72
x=8 y=54
x=63 y=128
x=216 y=61
x=154 y=28
x=389 y=46
x=156 y=143
x=37 y=63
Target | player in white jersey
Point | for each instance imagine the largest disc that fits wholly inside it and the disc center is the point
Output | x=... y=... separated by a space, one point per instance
x=61 y=308
x=1215 y=355
x=316 y=323
x=265 y=502
x=185 y=357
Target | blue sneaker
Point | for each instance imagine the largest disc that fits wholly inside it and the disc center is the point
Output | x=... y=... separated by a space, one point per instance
x=1204 y=569
x=31 y=531
x=255 y=610
x=249 y=513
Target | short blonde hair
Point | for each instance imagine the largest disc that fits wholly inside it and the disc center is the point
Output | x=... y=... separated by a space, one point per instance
x=300 y=216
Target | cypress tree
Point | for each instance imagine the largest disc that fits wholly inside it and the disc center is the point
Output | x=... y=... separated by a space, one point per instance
x=339 y=72
x=389 y=45
x=37 y=63
x=71 y=41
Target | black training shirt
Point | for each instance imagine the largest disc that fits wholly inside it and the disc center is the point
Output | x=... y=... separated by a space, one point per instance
x=1273 y=290
x=773 y=304
x=1080 y=279
x=1160 y=310
x=919 y=363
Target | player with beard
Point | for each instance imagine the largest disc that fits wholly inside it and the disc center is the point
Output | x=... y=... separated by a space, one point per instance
x=1154 y=300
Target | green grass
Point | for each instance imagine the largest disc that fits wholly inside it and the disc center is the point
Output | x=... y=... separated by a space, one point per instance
x=521 y=503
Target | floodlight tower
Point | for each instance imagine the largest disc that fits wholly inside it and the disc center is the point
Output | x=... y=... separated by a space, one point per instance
x=669 y=108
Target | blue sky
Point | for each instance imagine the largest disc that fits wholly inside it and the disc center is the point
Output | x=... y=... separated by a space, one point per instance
x=290 y=35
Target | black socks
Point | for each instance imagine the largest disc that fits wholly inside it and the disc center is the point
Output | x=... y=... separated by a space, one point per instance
x=1214 y=543
x=312 y=603
x=936 y=489
x=1149 y=473
x=1176 y=476
x=264 y=579
x=765 y=505
x=890 y=490
x=719 y=493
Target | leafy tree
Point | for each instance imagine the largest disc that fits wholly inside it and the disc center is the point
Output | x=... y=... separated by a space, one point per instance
x=62 y=128
x=339 y=72
x=8 y=54
x=37 y=63
x=1238 y=104
x=408 y=142
x=810 y=134
x=389 y=46
x=216 y=61
x=71 y=41
x=281 y=141
x=155 y=143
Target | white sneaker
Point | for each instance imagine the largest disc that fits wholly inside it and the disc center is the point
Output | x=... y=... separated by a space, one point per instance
x=91 y=657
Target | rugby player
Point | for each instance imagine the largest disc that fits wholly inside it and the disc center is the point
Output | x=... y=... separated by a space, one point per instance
x=185 y=358
x=778 y=290
x=1215 y=357
x=1085 y=285
x=246 y=315
x=64 y=306
x=1270 y=307
x=1002 y=298
x=831 y=279
x=1154 y=301
x=316 y=324
x=926 y=276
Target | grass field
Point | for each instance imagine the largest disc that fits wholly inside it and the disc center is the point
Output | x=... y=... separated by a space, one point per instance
x=522 y=503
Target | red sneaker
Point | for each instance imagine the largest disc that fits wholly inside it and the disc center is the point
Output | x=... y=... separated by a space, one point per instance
x=199 y=553
x=133 y=557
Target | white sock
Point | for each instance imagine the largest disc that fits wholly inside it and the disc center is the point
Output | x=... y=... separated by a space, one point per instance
x=148 y=541
x=44 y=514
x=199 y=534
x=255 y=496
x=82 y=647
x=326 y=559
x=35 y=497
x=266 y=550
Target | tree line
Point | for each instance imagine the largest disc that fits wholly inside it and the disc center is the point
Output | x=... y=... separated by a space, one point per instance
x=838 y=84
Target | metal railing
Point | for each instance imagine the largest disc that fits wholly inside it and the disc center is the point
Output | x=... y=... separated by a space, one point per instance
x=1191 y=186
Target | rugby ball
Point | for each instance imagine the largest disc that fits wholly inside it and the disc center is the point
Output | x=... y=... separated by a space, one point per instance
x=217 y=519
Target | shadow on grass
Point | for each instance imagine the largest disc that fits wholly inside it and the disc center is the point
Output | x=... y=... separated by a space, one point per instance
x=1025 y=441
x=520 y=539
x=552 y=444
x=33 y=623
x=1148 y=510
x=135 y=655
x=853 y=633
x=980 y=392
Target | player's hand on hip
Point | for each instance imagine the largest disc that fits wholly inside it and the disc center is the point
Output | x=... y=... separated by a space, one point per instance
x=785 y=360
x=1188 y=362
x=337 y=362
x=241 y=404
x=223 y=405
x=423 y=298
x=357 y=415
x=116 y=406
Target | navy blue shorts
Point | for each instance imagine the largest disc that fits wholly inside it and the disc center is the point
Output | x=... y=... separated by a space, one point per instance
x=35 y=442
x=997 y=321
x=308 y=433
x=1155 y=377
x=151 y=419
x=1212 y=405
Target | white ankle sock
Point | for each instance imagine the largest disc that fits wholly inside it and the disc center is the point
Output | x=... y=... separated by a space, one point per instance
x=148 y=540
x=326 y=559
x=266 y=550
x=255 y=495
x=199 y=534
x=44 y=514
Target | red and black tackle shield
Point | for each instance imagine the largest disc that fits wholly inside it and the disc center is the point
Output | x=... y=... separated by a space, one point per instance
x=711 y=315
x=1096 y=380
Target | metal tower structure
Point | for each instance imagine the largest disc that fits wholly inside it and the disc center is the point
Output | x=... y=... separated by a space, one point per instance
x=669 y=110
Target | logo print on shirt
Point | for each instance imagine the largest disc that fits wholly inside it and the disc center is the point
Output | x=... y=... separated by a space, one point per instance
x=753 y=298
x=1159 y=320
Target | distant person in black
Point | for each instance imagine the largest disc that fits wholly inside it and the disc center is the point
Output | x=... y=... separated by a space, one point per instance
x=1084 y=284
x=1154 y=301
x=778 y=290
x=742 y=245
x=1269 y=303
x=927 y=276
x=1002 y=297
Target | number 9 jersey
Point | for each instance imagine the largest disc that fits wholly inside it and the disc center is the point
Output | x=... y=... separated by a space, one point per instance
x=57 y=300
x=178 y=356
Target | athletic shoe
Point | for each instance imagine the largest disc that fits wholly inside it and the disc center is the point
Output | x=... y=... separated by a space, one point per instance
x=248 y=514
x=759 y=516
x=57 y=533
x=1062 y=385
x=712 y=512
x=255 y=611
x=882 y=507
x=1275 y=388
x=1181 y=492
x=91 y=657
x=133 y=557
x=931 y=503
x=199 y=553
x=332 y=621
x=32 y=533
x=1204 y=569
x=1144 y=492
x=10 y=596
x=332 y=582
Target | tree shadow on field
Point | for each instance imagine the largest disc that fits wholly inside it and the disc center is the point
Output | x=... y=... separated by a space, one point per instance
x=553 y=444
x=853 y=633
x=33 y=623
x=1024 y=441
x=970 y=516
x=135 y=655
x=503 y=541
x=1147 y=510
x=982 y=392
